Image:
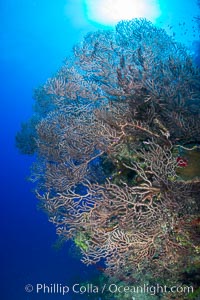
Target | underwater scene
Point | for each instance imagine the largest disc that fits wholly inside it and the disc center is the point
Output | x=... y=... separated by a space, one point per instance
x=100 y=156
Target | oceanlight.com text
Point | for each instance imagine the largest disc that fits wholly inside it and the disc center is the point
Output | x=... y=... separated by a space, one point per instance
x=76 y=288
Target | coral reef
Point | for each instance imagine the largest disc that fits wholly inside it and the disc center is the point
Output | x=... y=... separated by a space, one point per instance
x=111 y=129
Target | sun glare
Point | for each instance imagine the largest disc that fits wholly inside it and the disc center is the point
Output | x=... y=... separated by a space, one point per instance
x=109 y=12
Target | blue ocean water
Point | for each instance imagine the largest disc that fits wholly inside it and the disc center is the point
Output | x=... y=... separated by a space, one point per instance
x=36 y=36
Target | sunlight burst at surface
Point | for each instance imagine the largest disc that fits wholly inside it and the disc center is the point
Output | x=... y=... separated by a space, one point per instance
x=109 y=12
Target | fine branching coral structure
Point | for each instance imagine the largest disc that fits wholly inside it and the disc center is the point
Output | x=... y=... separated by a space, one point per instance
x=111 y=130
